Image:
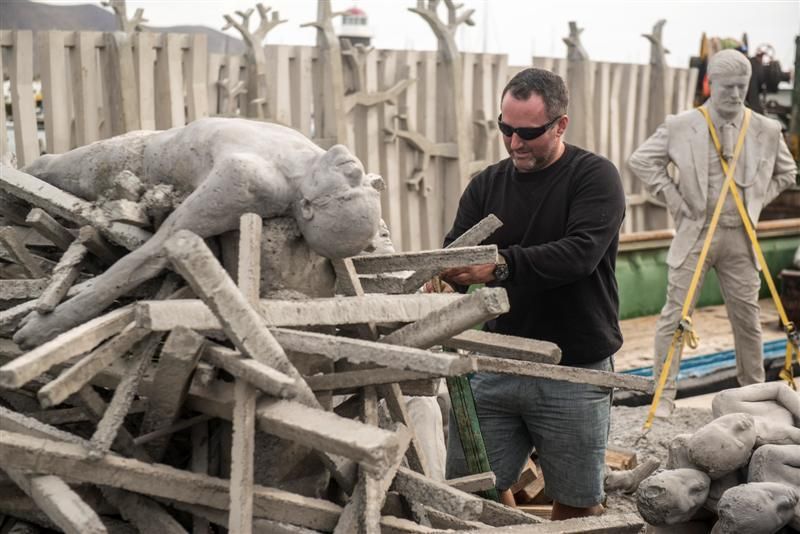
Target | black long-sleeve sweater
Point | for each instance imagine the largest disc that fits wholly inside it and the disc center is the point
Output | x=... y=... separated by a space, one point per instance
x=559 y=236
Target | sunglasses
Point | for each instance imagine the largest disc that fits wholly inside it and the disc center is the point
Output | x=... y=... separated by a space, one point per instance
x=528 y=134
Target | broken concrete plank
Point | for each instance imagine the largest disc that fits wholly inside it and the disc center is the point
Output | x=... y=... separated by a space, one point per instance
x=242 y=453
x=63 y=416
x=95 y=408
x=362 y=514
x=444 y=323
x=443 y=521
x=76 y=377
x=173 y=375
x=63 y=276
x=10 y=241
x=396 y=404
x=23 y=288
x=240 y=321
x=397 y=525
x=127 y=211
x=167 y=315
x=11 y=211
x=249 y=265
x=59 y=502
x=363 y=351
x=62 y=348
x=372 y=447
x=488 y=364
x=252 y=371
x=500 y=515
x=438 y=495
x=145 y=514
x=602 y=524
x=50 y=228
x=349 y=284
x=351 y=381
x=199 y=464
x=472 y=237
x=504 y=346
x=260 y=525
x=473 y=483
x=240 y=517
x=14 y=422
x=69 y=461
x=10 y=318
x=438 y=259
x=62 y=204
x=117 y=409
x=60 y=416
x=386 y=284
x=369 y=406
x=94 y=242
x=176 y=427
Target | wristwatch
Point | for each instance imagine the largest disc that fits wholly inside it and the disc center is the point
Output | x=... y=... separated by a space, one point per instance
x=501 y=271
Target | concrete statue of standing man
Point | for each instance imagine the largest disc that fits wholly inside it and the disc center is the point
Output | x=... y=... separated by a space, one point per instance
x=764 y=168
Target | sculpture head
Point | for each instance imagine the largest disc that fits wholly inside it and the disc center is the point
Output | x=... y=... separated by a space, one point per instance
x=339 y=209
x=723 y=445
x=672 y=496
x=756 y=507
x=729 y=78
x=533 y=118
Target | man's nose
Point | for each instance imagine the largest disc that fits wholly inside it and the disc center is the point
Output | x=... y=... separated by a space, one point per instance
x=516 y=141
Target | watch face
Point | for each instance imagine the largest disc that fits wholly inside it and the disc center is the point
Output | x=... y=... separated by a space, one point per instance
x=501 y=272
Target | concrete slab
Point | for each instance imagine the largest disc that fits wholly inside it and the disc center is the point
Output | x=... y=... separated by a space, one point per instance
x=64 y=347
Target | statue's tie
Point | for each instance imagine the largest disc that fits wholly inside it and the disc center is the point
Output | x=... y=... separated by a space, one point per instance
x=729 y=132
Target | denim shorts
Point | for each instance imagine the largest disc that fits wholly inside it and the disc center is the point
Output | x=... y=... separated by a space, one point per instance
x=566 y=423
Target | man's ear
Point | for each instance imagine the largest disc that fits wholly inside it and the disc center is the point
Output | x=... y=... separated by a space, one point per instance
x=306 y=209
x=561 y=127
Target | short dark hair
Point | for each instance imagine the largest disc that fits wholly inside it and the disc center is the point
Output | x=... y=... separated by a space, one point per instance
x=548 y=85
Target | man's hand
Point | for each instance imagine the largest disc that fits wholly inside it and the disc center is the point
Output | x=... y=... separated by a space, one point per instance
x=474 y=274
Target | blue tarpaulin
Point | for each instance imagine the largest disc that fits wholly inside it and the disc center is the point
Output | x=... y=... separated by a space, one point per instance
x=707 y=364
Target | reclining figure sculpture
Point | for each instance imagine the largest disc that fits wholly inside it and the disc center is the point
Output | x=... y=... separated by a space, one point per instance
x=225 y=167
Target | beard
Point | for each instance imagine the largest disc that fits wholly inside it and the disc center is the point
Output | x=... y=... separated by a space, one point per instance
x=528 y=161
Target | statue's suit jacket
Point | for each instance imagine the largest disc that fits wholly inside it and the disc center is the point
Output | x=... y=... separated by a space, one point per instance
x=684 y=140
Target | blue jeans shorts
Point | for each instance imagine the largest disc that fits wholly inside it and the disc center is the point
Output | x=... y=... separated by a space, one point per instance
x=566 y=423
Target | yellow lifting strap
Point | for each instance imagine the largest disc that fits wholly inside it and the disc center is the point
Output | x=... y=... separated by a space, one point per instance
x=683 y=332
x=788 y=327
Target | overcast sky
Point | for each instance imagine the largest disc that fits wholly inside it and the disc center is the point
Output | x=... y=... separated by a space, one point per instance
x=522 y=28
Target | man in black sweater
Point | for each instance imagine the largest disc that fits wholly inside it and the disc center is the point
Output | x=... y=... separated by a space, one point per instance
x=561 y=208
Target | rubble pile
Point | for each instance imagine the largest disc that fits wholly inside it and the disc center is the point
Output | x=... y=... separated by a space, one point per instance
x=232 y=393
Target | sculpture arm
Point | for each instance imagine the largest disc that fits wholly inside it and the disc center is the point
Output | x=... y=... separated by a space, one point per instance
x=649 y=164
x=784 y=173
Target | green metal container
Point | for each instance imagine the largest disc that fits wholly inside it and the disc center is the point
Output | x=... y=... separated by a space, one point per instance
x=642 y=275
